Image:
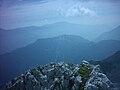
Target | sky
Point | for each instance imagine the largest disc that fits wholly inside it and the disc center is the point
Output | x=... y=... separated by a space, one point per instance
x=22 y=13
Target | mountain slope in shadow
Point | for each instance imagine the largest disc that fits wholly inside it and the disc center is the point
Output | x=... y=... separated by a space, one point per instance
x=68 y=48
x=65 y=47
x=102 y=49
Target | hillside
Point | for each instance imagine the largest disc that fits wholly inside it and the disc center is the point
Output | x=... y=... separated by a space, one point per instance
x=68 y=48
x=111 y=35
x=102 y=49
x=65 y=47
x=20 y=37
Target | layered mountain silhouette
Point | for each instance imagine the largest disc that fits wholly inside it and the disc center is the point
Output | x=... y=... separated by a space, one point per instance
x=68 y=48
x=16 y=38
x=111 y=35
x=20 y=37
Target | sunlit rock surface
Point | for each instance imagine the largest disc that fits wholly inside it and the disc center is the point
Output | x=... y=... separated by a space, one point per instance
x=62 y=76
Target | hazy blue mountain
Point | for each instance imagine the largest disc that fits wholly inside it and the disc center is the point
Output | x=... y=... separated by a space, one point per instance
x=111 y=67
x=113 y=34
x=68 y=48
x=19 y=37
x=102 y=49
x=65 y=47
x=16 y=38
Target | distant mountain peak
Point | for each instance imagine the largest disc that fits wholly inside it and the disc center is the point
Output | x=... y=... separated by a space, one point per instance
x=77 y=38
x=64 y=39
x=66 y=36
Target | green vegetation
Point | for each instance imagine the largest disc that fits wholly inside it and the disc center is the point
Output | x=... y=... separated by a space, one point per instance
x=85 y=74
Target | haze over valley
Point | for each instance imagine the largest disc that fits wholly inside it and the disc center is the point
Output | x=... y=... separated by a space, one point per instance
x=65 y=39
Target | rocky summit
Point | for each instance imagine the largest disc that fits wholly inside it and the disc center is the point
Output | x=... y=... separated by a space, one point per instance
x=62 y=76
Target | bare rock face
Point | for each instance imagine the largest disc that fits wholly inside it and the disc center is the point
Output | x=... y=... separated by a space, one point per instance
x=62 y=76
x=98 y=80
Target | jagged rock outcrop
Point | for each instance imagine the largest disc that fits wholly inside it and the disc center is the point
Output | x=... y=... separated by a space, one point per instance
x=62 y=76
x=98 y=80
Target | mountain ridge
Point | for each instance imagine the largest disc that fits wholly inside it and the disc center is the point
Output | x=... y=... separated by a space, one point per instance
x=113 y=35
x=44 y=51
x=19 y=37
x=103 y=48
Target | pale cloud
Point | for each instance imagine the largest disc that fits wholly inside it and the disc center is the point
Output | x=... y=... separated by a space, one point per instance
x=27 y=13
x=78 y=10
x=87 y=11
